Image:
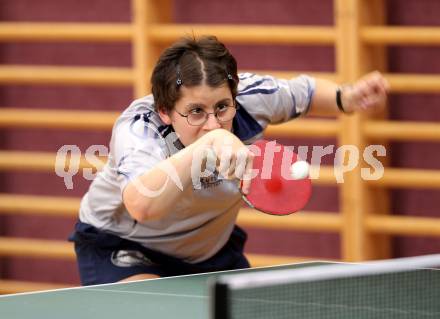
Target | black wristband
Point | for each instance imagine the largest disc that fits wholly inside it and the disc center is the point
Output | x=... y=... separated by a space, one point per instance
x=339 y=101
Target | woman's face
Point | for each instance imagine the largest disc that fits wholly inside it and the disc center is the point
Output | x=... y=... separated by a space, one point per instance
x=193 y=101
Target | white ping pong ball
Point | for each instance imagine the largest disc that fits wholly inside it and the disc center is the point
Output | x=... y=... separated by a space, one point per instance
x=300 y=170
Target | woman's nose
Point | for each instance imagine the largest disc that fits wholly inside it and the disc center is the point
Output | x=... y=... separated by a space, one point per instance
x=212 y=123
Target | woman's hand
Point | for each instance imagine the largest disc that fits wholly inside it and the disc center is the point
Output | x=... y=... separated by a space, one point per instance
x=366 y=94
x=226 y=153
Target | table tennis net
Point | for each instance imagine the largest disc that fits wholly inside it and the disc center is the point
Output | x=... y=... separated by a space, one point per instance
x=400 y=288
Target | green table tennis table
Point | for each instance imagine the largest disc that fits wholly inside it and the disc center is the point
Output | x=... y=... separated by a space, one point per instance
x=183 y=297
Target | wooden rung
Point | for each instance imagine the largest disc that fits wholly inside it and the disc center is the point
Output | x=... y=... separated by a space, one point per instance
x=57 y=119
x=259 y=260
x=37 y=32
x=401 y=35
x=63 y=250
x=403 y=225
x=247 y=34
x=307 y=221
x=66 y=206
x=8 y=286
x=18 y=74
x=25 y=160
x=304 y=128
x=413 y=83
x=402 y=131
x=393 y=177
x=408 y=178
x=45 y=162
x=38 y=161
x=116 y=32
x=41 y=205
x=38 y=248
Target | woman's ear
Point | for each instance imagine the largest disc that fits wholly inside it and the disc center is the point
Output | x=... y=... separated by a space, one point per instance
x=164 y=116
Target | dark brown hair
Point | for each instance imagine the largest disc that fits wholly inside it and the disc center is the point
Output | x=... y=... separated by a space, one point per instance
x=192 y=62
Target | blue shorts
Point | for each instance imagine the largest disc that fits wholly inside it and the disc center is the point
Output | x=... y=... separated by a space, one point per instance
x=106 y=258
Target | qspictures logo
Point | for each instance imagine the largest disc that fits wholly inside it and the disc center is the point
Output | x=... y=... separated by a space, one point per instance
x=206 y=162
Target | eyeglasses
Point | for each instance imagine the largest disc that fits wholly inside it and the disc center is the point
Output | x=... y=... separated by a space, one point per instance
x=198 y=117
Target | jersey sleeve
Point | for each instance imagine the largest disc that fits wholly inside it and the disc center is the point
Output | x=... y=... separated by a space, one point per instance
x=136 y=147
x=270 y=100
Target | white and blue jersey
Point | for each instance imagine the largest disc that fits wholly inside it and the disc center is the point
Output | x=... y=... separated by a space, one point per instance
x=200 y=224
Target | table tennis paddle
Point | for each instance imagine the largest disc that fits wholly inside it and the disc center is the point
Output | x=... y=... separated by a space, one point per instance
x=273 y=190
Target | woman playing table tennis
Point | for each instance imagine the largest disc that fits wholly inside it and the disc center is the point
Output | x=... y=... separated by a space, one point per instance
x=145 y=215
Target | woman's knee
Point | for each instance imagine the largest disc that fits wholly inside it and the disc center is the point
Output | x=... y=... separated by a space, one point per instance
x=140 y=277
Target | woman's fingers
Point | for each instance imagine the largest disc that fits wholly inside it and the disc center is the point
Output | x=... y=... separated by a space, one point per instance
x=247 y=176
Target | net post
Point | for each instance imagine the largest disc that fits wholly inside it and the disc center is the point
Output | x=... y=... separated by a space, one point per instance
x=220 y=306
